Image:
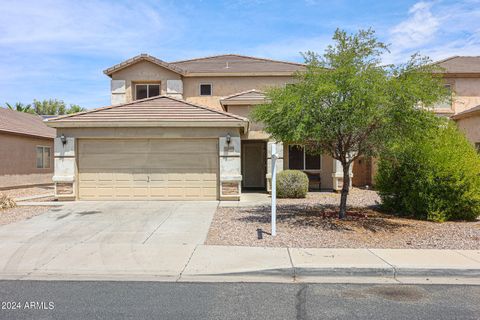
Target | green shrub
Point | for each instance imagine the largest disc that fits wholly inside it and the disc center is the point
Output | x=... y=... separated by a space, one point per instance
x=292 y=184
x=436 y=177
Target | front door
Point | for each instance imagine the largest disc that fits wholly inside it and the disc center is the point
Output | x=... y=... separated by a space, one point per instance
x=254 y=157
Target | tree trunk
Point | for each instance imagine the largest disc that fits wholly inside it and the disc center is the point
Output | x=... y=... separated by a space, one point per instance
x=345 y=188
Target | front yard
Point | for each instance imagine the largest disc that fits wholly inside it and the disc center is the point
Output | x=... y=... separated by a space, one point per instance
x=11 y=215
x=313 y=223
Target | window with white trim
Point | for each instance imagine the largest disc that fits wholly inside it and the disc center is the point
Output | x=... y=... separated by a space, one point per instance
x=146 y=90
x=301 y=159
x=205 y=89
x=43 y=157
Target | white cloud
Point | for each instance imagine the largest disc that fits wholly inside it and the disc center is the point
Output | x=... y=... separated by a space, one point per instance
x=87 y=26
x=437 y=29
x=420 y=27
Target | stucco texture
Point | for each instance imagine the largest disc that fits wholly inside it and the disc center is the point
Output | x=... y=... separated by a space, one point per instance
x=470 y=127
x=18 y=161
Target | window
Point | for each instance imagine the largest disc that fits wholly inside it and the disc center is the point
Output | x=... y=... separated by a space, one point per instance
x=205 y=89
x=301 y=159
x=43 y=157
x=143 y=91
x=477 y=146
x=447 y=104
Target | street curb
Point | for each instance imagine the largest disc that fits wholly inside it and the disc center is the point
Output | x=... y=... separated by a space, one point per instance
x=345 y=272
x=438 y=272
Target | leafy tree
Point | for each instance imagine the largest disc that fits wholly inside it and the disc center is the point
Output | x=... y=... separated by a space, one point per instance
x=46 y=107
x=49 y=107
x=348 y=104
x=74 y=108
x=20 y=107
x=55 y=107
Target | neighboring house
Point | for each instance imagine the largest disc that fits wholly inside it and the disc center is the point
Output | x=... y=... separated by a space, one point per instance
x=462 y=78
x=179 y=130
x=26 y=150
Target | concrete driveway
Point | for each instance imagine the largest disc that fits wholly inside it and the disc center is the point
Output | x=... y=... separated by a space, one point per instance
x=107 y=238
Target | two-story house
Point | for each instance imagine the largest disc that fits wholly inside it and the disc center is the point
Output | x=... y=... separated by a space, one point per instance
x=180 y=130
x=461 y=75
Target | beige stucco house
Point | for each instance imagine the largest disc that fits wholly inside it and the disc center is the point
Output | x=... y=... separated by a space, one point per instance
x=26 y=147
x=462 y=78
x=180 y=130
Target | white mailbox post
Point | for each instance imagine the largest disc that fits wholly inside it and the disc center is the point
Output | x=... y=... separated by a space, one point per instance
x=274 y=189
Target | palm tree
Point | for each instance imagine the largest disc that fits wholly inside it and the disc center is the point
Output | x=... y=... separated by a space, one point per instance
x=20 y=107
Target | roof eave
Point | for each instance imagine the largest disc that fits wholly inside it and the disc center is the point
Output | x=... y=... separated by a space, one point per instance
x=31 y=135
x=148 y=124
x=243 y=102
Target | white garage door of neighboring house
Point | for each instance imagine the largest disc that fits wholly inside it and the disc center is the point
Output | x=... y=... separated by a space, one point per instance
x=148 y=169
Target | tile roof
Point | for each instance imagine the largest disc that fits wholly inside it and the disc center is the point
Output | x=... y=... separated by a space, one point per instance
x=155 y=109
x=24 y=123
x=234 y=63
x=467 y=113
x=249 y=94
x=460 y=64
x=244 y=97
x=221 y=64
x=143 y=57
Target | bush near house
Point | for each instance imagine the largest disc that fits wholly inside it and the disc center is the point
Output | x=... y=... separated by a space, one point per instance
x=434 y=177
x=6 y=202
x=292 y=184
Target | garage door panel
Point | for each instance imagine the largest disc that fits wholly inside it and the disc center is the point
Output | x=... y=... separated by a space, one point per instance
x=181 y=146
x=181 y=162
x=109 y=146
x=155 y=169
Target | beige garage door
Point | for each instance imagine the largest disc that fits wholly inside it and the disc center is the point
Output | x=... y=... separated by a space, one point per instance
x=148 y=169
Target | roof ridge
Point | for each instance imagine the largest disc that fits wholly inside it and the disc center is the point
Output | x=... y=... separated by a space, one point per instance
x=143 y=100
x=144 y=56
x=238 y=55
x=242 y=92
x=465 y=112
x=446 y=59
x=23 y=113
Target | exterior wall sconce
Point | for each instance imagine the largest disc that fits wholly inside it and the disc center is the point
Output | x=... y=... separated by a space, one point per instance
x=63 y=139
x=228 y=138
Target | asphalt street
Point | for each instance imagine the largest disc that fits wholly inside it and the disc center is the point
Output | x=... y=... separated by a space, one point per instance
x=161 y=300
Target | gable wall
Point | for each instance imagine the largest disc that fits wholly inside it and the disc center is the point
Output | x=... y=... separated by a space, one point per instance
x=141 y=72
x=467 y=92
x=225 y=86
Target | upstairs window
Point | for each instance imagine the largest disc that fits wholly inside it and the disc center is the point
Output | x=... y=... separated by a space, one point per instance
x=447 y=104
x=143 y=91
x=206 y=89
x=301 y=159
x=43 y=157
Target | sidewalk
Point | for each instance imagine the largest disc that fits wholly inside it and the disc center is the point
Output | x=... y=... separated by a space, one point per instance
x=204 y=263
x=223 y=263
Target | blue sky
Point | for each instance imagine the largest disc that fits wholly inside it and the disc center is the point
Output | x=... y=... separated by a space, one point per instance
x=58 y=49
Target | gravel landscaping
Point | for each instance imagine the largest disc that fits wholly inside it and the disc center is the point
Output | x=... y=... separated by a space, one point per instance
x=21 y=213
x=28 y=192
x=313 y=223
